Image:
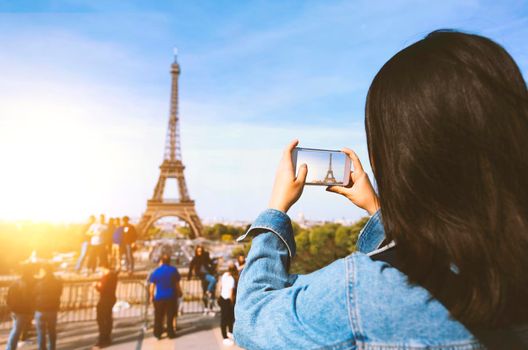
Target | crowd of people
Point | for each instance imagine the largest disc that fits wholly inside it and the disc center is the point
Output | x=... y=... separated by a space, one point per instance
x=30 y=298
x=103 y=247
x=39 y=298
x=105 y=243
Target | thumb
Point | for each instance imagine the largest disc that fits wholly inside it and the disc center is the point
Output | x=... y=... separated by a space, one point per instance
x=336 y=189
x=303 y=172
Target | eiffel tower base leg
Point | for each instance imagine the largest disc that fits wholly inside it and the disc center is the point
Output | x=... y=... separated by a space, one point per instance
x=183 y=210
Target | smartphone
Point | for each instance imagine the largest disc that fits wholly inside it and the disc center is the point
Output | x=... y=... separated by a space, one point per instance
x=325 y=167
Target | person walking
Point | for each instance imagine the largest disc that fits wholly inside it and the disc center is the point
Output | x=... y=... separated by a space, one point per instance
x=129 y=243
x=21 y=303
x=202 y=267
x=227 y=303
x=164 y=291
x=107 y=298
x=85 y=244
x=48 y=291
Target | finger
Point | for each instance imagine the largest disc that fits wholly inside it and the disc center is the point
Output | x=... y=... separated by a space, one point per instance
x=351 y=181
x=287 y=156
x=303 y=172
x=291 y=146
x=355 y=159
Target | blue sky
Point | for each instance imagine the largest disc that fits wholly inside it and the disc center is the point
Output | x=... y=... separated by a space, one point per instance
x=84 y=94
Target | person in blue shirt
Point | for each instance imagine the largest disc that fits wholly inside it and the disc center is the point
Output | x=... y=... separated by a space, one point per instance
x=165 y=290
x=117 y=245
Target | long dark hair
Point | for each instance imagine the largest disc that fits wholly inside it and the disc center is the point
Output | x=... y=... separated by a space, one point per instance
x=447 y=132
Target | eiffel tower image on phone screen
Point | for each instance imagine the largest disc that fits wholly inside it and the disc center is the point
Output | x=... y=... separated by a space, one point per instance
x=329 y=178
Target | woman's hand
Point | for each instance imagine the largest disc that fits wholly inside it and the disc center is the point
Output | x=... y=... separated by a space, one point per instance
x=287 y=189
x=359 y=190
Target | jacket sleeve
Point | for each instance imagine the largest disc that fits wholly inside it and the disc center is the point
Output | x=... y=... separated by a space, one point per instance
x=278 y=310
x=372 y=235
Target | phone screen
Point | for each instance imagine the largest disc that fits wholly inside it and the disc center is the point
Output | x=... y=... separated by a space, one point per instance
x=325 y=167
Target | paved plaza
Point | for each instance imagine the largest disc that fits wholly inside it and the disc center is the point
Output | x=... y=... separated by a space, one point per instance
x=194 y=332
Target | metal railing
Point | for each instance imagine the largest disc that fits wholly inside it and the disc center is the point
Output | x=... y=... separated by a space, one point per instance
x=79 y=299
x=193 y=297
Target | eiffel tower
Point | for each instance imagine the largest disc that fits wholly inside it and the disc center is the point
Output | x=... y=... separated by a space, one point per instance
x=329 y=178
x=172 y=168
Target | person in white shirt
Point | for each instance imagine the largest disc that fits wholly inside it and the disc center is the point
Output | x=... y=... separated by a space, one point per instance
x=227 y=302
x=97 y=250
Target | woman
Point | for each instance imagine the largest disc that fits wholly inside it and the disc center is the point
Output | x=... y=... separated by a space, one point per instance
x=202 y=267
x=447 y=133
x=226 y=301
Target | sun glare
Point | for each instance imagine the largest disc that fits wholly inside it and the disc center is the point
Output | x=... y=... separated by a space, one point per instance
x=58 y=156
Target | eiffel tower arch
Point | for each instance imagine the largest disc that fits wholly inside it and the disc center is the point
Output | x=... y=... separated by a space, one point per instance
x=172 y=168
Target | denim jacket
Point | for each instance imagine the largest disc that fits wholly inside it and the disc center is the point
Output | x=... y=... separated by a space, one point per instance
x=353 y=303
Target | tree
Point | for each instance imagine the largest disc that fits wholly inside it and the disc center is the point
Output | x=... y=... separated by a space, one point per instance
x=317 y=246
x=320 y=245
